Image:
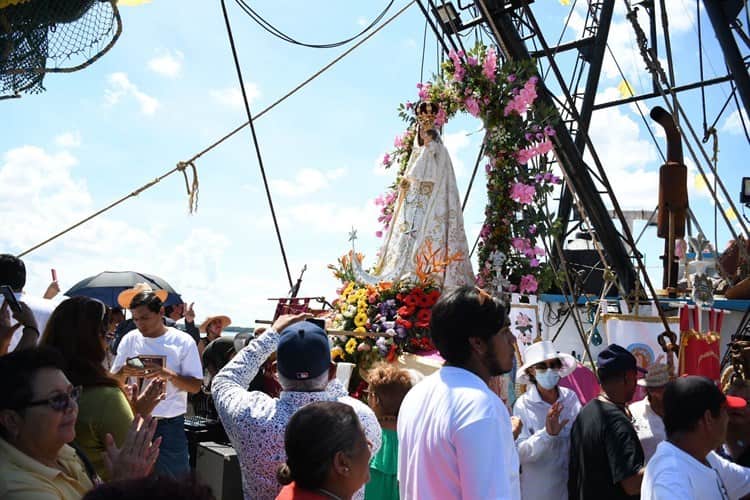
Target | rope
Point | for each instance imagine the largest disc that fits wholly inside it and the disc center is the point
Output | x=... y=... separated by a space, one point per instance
x=256 y=144
x=190 y=187
x=218 y=142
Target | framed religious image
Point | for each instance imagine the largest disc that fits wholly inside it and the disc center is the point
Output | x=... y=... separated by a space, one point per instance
x=524 y=323
x=150 y=361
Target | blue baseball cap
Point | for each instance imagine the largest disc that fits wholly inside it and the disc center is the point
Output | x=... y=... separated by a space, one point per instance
x=303 y=351
x=616 y=359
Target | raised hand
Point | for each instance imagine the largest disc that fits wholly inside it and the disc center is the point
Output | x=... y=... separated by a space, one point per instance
x=553 y=423
x=155 y=391
x=138 y=453
x=190 y=313
x=6 y=330
x=286 y=320
x=52 y=290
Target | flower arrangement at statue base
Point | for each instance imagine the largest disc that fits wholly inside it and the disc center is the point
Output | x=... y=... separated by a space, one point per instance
x=387 y=318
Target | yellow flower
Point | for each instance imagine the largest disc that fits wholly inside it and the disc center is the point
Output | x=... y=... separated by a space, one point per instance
x=337 y=353
x=351 y=346
x=360 y=319
x=359 y=329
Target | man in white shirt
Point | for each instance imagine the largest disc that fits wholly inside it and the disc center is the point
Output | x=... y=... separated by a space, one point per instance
x=685 y=467
x=169 y=354
x=255 y=422
x=649 y=411
x=455 y=438
x=13 y=274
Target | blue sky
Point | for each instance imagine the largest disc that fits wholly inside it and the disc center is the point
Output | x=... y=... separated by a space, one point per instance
x=168 y=89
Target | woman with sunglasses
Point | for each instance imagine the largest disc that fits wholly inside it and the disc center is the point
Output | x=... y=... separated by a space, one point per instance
x=38 y=410
x=547 y=412
x=78 y=328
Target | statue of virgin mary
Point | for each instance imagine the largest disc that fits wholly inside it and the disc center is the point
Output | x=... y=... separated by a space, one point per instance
x=427 y=216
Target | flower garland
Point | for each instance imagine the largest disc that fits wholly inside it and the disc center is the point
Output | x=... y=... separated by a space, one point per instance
x=519 y=134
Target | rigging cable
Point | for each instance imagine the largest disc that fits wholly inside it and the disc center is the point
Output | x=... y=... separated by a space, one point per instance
x=255 y=142
x=182 y=165
x=270 y=28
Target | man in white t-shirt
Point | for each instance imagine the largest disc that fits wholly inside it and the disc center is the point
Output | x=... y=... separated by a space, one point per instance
x=172 y=355
x=649 y=411
x=455 y=438
x=13 y=274
x=685 y=467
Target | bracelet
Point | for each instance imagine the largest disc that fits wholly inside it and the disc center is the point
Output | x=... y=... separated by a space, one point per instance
x=25 y=327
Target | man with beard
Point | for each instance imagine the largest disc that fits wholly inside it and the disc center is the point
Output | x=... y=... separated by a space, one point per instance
x=455 y=438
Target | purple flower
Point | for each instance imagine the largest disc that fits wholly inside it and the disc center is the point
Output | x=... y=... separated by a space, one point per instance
x=387 y=159
x=472 y=61
x=550 y=131
x=401 y=332
x=511 y=78
x=528 y=284
x=379 y=234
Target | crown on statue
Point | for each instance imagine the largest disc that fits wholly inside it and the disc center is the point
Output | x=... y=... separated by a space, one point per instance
x=426 y=112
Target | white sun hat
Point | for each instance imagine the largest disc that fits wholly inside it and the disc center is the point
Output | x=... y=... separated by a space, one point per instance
x=544 y=351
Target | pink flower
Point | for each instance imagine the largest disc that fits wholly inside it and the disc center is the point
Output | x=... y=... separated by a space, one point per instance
x=544 y=147
x=423 y=90
x=459 y=71
x=525 y=155
x=440 y=118
x=534 y=262
x=521 y=244
x=523 y=193
x=398 y=141
x=511 y=78
x=472 y=61
x=528 y=284
x=490 y=64
x=486 y=231
x=379 y=234
x=387 y=159
x=472 y=106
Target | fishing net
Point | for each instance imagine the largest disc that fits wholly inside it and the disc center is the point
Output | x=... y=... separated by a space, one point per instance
x=52 y=36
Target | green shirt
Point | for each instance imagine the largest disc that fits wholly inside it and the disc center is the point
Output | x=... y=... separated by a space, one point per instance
x=102 y=410
x=383 y=484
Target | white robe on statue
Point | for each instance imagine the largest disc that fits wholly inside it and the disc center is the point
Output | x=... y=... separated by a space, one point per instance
x=429 y=210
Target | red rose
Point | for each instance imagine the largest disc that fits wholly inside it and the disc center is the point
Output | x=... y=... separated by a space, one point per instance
x=406 y=311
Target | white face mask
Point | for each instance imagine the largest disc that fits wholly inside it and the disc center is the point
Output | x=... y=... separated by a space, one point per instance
x=547 y=379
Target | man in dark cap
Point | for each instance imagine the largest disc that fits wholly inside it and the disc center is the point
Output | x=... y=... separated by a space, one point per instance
x=606 y=458
x=685 y=466
x=255 y=422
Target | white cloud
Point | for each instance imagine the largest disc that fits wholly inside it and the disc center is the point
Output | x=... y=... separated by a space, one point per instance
x=232 y=96
x=306 y=181
x=631 y=162
x=455 y=142
x=68 y=139
x=120 y=86
x=733 y=125
x=167 y=63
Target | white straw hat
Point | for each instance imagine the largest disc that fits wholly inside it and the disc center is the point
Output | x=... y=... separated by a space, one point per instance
x=544 y=351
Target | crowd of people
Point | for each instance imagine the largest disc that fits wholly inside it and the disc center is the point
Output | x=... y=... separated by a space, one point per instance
x=92 y=405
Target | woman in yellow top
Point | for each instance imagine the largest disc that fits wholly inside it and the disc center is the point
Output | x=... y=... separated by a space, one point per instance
x=38 y=413
x=78 y=329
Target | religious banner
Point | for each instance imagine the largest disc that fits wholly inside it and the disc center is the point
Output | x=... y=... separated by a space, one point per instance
x=524 y=323
x=699 y=351
x=637 y=334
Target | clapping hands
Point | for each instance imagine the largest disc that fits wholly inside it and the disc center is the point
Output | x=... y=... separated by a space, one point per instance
x=138 y=453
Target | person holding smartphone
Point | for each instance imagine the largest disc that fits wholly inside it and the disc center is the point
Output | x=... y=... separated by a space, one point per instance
x=32 y=314
x=154 y=350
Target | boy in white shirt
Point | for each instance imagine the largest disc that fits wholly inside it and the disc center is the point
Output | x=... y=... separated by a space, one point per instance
x=180 y=367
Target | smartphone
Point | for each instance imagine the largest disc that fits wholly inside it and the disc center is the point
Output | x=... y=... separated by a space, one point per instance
x=10 y=298
x=317 y=321
x=135 y=363
x=54 y=275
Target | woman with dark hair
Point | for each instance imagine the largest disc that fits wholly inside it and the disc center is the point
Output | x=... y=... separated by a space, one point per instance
x=327 y=453
x=78 y=329
x=38 y=411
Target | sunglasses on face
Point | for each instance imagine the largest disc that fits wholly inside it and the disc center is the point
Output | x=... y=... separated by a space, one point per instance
x=59 y=402
x=548 y=365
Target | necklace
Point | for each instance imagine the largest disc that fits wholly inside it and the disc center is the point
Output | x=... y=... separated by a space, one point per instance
x=328 y=494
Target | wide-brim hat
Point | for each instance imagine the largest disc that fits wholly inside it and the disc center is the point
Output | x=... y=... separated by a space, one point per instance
x=544 y=351
x=657 y=376
x=225 y=322
x=126 y=296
